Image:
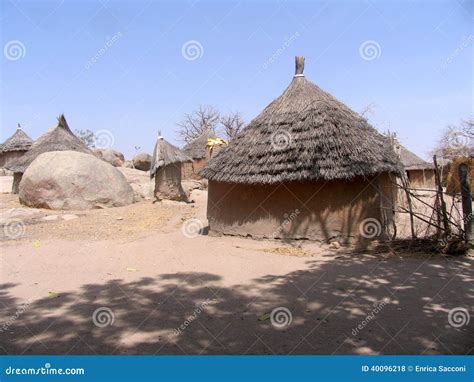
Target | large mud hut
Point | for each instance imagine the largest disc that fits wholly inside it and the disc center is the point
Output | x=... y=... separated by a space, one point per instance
x=58 y=138
x=306 y=167
x=14 y=147
x=166 y=169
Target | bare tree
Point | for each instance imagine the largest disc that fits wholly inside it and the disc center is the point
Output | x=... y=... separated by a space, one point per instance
x=232 y=124
x=197 y=122
x=456 y=140
x=367 y=110
x=86 y=136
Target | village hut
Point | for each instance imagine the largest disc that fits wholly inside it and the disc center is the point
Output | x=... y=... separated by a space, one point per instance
x=58 y=138
x=14 y=147
x=166 y=169
x=200 y=150
x=306 y=167
x=419 y=172
x=453 y=183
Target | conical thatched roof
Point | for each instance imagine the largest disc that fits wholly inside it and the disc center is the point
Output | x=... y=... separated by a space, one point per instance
x=58 y=138
x=197 y=148
x=19 y=141
x=164 y=154
x=305 y=134
x=411 y=161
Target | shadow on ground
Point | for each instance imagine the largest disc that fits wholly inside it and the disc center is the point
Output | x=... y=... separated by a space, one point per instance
x=407 y=299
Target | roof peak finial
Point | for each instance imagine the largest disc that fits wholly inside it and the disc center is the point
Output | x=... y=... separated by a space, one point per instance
x=18 y=126
x=299 y=66
x=159 y=135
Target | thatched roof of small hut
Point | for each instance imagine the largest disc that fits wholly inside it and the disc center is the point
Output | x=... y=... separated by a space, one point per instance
x=304 y=135
x=411 y=161
x=58 y=138
x=19 y=141
x=197 y=148
x=164 y=154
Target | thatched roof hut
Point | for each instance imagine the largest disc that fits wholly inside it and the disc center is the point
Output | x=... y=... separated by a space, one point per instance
x=15 y=146
x=58 y=138
x=420 y=173
x=305 y=142
x=19 y=141
x=166 y=169
x=304 y=135
x=200 y=150
x=411 y=161
x=197 y=148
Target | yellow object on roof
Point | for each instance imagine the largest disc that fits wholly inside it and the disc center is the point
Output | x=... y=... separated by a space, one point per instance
x=211 y=142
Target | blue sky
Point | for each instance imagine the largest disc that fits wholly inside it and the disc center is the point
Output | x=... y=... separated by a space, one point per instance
x=123 y=66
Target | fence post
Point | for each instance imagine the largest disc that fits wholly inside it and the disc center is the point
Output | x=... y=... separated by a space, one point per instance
x=463 y=171
x=444 y=213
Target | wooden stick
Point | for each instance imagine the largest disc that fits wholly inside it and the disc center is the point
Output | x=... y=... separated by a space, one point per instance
x=447 y=228
x=463 y=172
x=410 y=205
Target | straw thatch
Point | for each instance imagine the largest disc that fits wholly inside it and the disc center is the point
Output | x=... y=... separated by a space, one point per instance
x=58 y=138
x=453 y=183
x=411 y=161
x=19 y=141
x=197 y=149
x=304 y=135
x=164 y=154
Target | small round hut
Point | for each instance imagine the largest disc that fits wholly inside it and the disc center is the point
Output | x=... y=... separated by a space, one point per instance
x=420 y=173
x=200 y=150
x=58 y=138
x=166 y=169
x=14 y=147
x=306 y=167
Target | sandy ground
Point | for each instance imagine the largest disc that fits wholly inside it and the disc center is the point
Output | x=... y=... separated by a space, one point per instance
x=141 y=280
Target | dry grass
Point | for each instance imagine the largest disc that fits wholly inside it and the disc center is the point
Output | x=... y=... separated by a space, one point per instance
x=306 y=134
x=120 y=223
x=19 y=141
x=289 y=251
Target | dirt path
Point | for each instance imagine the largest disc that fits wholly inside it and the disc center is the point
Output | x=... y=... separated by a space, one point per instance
x=144 y=285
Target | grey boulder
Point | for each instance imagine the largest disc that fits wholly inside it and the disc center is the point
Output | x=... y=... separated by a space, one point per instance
x=115 y=158
x=142 y=161
x=70 y=180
